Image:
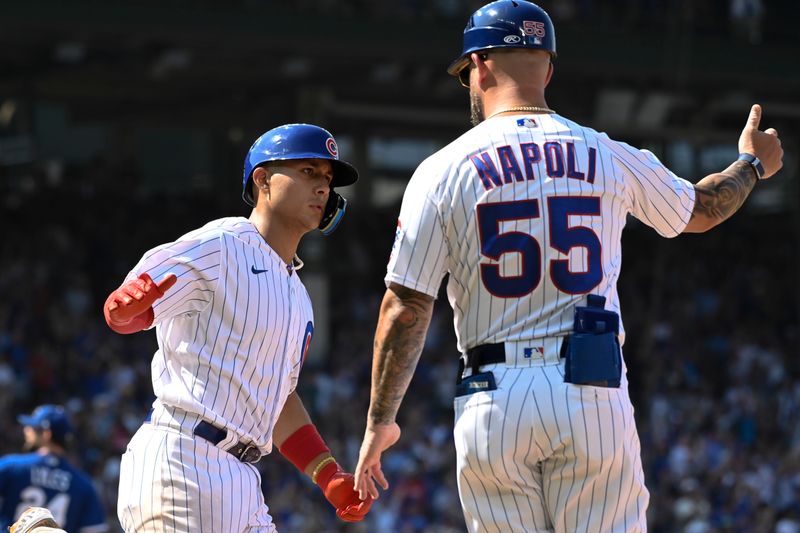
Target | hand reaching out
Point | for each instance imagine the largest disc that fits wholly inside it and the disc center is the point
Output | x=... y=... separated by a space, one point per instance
x=377 y=439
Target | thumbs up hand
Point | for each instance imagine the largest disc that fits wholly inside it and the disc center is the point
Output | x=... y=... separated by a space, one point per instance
x=765 y=145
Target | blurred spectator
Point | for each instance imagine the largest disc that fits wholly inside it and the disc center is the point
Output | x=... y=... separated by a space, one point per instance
x=746 y=19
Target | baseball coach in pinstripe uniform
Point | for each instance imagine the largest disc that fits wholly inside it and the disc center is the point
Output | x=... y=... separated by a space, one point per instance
x=525 y=213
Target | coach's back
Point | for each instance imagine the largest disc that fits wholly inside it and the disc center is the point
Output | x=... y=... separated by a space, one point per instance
x=529 y=214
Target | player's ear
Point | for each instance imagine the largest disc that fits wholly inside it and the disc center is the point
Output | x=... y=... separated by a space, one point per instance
x=549 y=74
x=479 y=59
x=261 y=177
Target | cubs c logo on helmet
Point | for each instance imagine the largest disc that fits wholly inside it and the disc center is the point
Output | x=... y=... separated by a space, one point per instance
x=330 y=144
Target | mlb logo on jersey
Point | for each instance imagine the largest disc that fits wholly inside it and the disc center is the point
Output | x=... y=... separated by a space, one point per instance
x=527 y=122
x=533 y=351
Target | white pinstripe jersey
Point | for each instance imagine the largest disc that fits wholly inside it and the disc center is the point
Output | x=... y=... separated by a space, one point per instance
x=526 y=213
x=233 y=330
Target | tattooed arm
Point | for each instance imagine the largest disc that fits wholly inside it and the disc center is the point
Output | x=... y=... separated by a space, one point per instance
x=718 y=196
x=402 y=325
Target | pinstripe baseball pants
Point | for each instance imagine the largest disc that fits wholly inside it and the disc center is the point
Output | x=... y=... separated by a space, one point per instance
x=541 y=455
x=171 y=480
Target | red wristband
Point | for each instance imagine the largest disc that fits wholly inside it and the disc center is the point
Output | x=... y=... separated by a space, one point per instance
x=302 y=446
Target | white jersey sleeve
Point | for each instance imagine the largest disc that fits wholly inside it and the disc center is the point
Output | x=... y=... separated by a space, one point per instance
x=195 y=260
x=419 y=254
x=655 y=195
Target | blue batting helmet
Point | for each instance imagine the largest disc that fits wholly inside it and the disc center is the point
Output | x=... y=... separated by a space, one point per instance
x=506 y=24
x=302 y=141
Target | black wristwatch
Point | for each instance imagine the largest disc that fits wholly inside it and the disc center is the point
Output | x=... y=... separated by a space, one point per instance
x=755 y=163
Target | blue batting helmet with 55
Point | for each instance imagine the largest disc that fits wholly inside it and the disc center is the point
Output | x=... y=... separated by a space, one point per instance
x=302 y=141
x=506 y=24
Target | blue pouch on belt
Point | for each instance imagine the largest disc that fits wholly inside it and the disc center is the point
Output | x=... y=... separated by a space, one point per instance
x=593 y=353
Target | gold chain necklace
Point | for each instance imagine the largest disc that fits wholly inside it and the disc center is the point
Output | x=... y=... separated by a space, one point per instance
x=533 y=108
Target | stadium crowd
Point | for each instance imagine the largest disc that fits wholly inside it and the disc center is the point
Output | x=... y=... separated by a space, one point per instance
x=736 y=18
x=712 y=335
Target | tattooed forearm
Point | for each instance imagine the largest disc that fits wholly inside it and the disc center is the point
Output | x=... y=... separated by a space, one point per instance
x=718 y=196
x=402 y=326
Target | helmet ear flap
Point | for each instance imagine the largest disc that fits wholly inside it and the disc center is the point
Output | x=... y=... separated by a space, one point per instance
x=334 y=211
x=247 y=193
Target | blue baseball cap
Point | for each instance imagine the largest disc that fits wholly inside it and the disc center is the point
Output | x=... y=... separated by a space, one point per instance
x=52 y=417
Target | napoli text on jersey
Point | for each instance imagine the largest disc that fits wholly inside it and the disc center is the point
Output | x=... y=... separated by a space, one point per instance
x=46 y=480
x=525 y=213
x=232 y=334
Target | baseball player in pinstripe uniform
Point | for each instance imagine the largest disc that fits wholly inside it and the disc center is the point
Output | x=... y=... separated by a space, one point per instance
x=233 y=323
x=525 y=213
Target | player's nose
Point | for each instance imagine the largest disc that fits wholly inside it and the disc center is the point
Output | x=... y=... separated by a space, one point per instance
x=323 y=186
